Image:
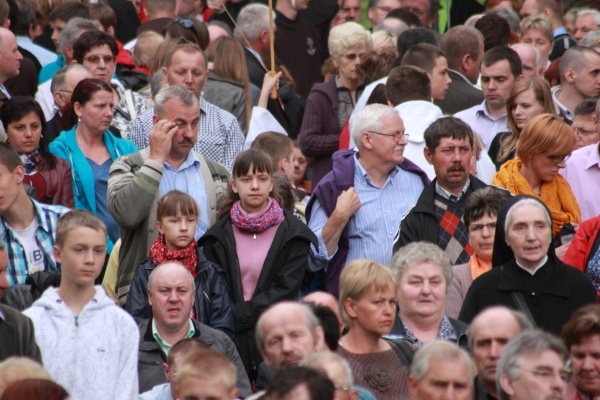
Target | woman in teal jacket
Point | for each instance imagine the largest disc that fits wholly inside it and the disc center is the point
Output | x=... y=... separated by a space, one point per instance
x=90 y=149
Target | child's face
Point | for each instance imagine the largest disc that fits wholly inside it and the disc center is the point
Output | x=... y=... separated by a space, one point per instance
x=254 y=189
x=289 y=166
x=81 y=256
x=178 y=230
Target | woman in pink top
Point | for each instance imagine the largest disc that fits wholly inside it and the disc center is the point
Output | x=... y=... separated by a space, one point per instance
x=262 y=247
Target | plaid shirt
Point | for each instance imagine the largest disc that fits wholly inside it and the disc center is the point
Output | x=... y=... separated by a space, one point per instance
x=47 y=217
x=219 y=135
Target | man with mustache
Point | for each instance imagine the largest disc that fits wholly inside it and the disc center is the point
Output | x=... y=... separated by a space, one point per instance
x=532 y=367
x=489 y=332
x=137 y=181
x=355 y=209
x=437 y=217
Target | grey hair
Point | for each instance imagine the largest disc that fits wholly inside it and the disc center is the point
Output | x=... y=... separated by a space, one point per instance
x=319 y=359
x=520 y=318
x=368 y=118
x=251 y=20
x=311 y=318
x=591 y=39
x=588 y=11
x=522 y=345
x=347 y=35
x=521 y=203
x=168 y=264
x=440 y=349
x=173 y=92
x=156 y=83
x=73 y=30
x=416 y=253
x=59 y=81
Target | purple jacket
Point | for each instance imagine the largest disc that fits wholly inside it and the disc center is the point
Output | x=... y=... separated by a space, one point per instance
x=328 y=190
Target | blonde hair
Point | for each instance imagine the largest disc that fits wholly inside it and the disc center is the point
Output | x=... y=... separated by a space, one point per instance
x=541 y=23
x=207 y=364
x=17 y=368
x=357 y=278
x=547 y=135
x=347 y=35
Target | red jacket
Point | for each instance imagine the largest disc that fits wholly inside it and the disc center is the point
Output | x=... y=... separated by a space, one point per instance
x=579 y=251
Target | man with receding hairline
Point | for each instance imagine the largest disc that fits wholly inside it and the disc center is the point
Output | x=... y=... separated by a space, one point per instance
x=9 y=61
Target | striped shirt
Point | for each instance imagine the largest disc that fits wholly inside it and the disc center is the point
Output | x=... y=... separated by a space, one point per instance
x=47 y=217
x=373 y=227
x=219 y=135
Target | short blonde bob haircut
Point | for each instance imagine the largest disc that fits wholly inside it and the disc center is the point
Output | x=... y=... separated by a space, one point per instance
x=546 y=135
x=541 y=23
x=358 y=278
x=347 y=35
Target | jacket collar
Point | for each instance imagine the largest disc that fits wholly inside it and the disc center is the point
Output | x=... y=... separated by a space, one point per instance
x=510 y=279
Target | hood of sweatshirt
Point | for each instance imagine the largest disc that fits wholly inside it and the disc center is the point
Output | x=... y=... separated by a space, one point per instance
x=417 y=116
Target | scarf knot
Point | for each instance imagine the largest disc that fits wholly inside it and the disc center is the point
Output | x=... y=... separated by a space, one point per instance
x=271 y=217
x=160 y=253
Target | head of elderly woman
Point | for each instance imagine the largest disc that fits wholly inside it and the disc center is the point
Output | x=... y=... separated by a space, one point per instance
x=423 y=272
x=347 y=43
x=368 y=296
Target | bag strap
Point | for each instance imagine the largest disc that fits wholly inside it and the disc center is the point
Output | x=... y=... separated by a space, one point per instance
x=403 y=350
x=522 y=306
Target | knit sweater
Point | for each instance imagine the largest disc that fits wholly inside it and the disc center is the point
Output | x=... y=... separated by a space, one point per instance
x=133 y=194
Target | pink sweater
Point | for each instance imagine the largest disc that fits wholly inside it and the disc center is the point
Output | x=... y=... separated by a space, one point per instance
x=252 y=250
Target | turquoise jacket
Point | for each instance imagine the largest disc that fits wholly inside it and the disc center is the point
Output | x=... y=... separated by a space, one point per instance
x=65 y=146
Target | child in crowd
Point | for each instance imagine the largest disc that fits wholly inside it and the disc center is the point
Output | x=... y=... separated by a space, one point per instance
x=176 y=218
x=88 y=344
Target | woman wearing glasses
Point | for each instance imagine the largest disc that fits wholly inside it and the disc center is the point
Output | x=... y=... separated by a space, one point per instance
x=90 y=149
x=330 y=104
x=542 y=147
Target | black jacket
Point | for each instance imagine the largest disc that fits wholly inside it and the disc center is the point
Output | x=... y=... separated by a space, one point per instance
x=421 y=222
x=563 y=291
x=16 y=335
x=460 y=96
x=212 y=304
x=151 y=356
x=280 y=278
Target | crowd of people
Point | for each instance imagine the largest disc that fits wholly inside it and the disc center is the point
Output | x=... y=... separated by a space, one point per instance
x=399 y=203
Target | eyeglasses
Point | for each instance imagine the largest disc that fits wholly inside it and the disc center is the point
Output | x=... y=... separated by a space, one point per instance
x=478 y=228
x=396 y=135
x=547 y=374
x=584 y=132
x=557 y=159
x=96 y=59
x=342 y=387
x=352 y=56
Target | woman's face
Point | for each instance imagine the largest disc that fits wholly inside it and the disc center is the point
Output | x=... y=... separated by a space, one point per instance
x=347 y=63
x=178 y=230
x=422 y=291
x=525 y=108
x=253 y=189
x=97 y=113
x=481 y=236
x=300 y=165
x=538 y=40
x=585 y=362
x=101 y=62
x=25 y=134
x=528 y=234
x=375 y=311
x=545 y=168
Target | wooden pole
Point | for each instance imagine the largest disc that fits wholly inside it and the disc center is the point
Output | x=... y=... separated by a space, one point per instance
x=272 y=46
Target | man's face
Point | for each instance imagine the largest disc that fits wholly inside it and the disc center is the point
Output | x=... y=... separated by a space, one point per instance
x=9 y=187
x=490 y=332
x=586 y=129
x=101 y=62
x=445 y=380
x=187 y=70
x=81 y=256
x=584 y=25
x=587 y=78
x=287 y=337
x=440 y=81
x=451 y=161
x=187 y=119
x=530 y=7
x=389 y=142
x=496 y=82
x=528 y=60
x=57 y=26
x=351 y=10
x=377 y=14
x=585 y=362
x=9 y=56
x=3 y=270
x=421 y=9
x=193 y=388
x=541 y=376
x=73 y=77
x=171 y=297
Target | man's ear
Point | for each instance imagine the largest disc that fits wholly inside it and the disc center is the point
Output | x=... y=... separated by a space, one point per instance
x=166 y=369
x=519 y=78
x=569 y=75
x=111 y=31
x=412 y=386
x=506 y=385
x=428 y=155
x=56 y=251
x=264 y=36
x=467 y=62
x=58 y=99
x=155 y=119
